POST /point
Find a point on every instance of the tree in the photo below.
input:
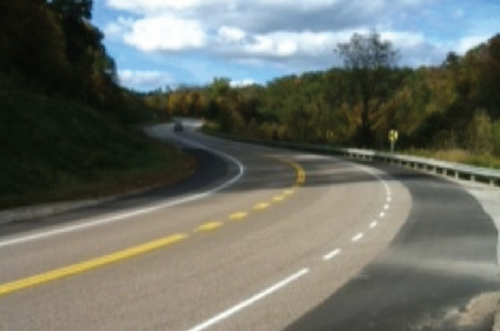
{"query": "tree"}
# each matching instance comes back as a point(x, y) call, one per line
point(76, 10)
point(31, 43)
point(368, 61)
point(480, 132)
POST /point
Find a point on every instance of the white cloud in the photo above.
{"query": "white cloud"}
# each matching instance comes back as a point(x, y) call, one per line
point(118, 28)
point(267, 28)
point(242, 83)
point(289, 35)
point(156, 5)
point(467, 43)
point(288, 44)
point(169, 5)
point(228, 34)
point(165, 33)
point(144, 79)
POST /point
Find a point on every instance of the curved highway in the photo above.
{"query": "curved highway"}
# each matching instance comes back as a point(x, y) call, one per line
point(258, 239)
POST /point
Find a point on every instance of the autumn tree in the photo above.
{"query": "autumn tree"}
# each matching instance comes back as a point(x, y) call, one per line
point(32, 44)
point(480, 134)
point(368, 61)
point(94, 71)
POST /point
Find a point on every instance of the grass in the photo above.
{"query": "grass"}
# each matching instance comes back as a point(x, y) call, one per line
point(55, 149)
point(458, 156)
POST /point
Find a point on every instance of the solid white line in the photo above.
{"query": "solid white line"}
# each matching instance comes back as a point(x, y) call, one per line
point(357, 237)
point(331, 255)
point(118, 217)
point(373, 224)
point(374, 174)
point(231, 311)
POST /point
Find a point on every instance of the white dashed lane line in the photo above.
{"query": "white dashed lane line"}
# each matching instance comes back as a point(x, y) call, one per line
point(331, 255)
point(327, 257)
point(358, 237)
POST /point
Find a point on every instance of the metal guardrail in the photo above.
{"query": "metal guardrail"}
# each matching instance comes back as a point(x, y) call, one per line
point(455, 170)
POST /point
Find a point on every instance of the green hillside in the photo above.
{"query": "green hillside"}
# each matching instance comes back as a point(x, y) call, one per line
point(56, 149)
point(67, 129)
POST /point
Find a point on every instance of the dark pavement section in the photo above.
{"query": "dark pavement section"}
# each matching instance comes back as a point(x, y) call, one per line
point(443, 259)
point(210, 169)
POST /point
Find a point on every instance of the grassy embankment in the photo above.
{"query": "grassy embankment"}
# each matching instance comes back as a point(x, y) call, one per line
point(55, 149)
point(458, 156)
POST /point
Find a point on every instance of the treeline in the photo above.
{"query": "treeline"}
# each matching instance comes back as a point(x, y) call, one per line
point(455, 105)
point(52, 48)
point(67, 129)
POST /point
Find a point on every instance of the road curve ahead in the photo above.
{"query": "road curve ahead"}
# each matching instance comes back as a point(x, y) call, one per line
point(257, 239)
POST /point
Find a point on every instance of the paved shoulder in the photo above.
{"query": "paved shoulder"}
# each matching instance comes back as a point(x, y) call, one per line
point(439, 273)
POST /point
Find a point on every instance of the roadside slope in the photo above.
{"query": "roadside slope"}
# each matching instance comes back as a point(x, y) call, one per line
point(57, 149)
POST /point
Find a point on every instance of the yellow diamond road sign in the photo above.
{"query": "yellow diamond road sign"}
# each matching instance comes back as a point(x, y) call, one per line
point(393, 135)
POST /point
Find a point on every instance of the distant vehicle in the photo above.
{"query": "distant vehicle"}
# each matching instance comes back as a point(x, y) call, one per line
point(178, 127)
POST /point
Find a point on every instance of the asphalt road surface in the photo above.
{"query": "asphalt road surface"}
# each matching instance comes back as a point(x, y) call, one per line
point(258, 239)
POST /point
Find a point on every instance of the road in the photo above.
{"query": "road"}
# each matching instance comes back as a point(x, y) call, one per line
point(258, 239)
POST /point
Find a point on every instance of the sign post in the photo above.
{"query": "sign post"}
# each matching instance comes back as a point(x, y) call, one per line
point(393, 137)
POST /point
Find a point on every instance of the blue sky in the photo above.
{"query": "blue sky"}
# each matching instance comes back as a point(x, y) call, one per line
point(170, 42)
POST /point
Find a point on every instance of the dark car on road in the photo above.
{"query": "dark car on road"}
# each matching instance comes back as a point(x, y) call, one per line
point(178, 127)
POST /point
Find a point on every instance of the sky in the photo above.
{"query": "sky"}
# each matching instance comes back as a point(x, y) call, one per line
point(160, 43)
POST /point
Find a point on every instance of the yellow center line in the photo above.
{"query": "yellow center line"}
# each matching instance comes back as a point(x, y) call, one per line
point(301, 175)
point(278, 198)
point(238, 216)
point(81, 267)
point(210, 226)
point(261, 206)
point(90, 264)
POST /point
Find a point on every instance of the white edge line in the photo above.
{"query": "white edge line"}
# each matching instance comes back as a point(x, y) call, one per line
point(357, 237)
point(242, 305)
point(90, 224)
point(331, 255)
